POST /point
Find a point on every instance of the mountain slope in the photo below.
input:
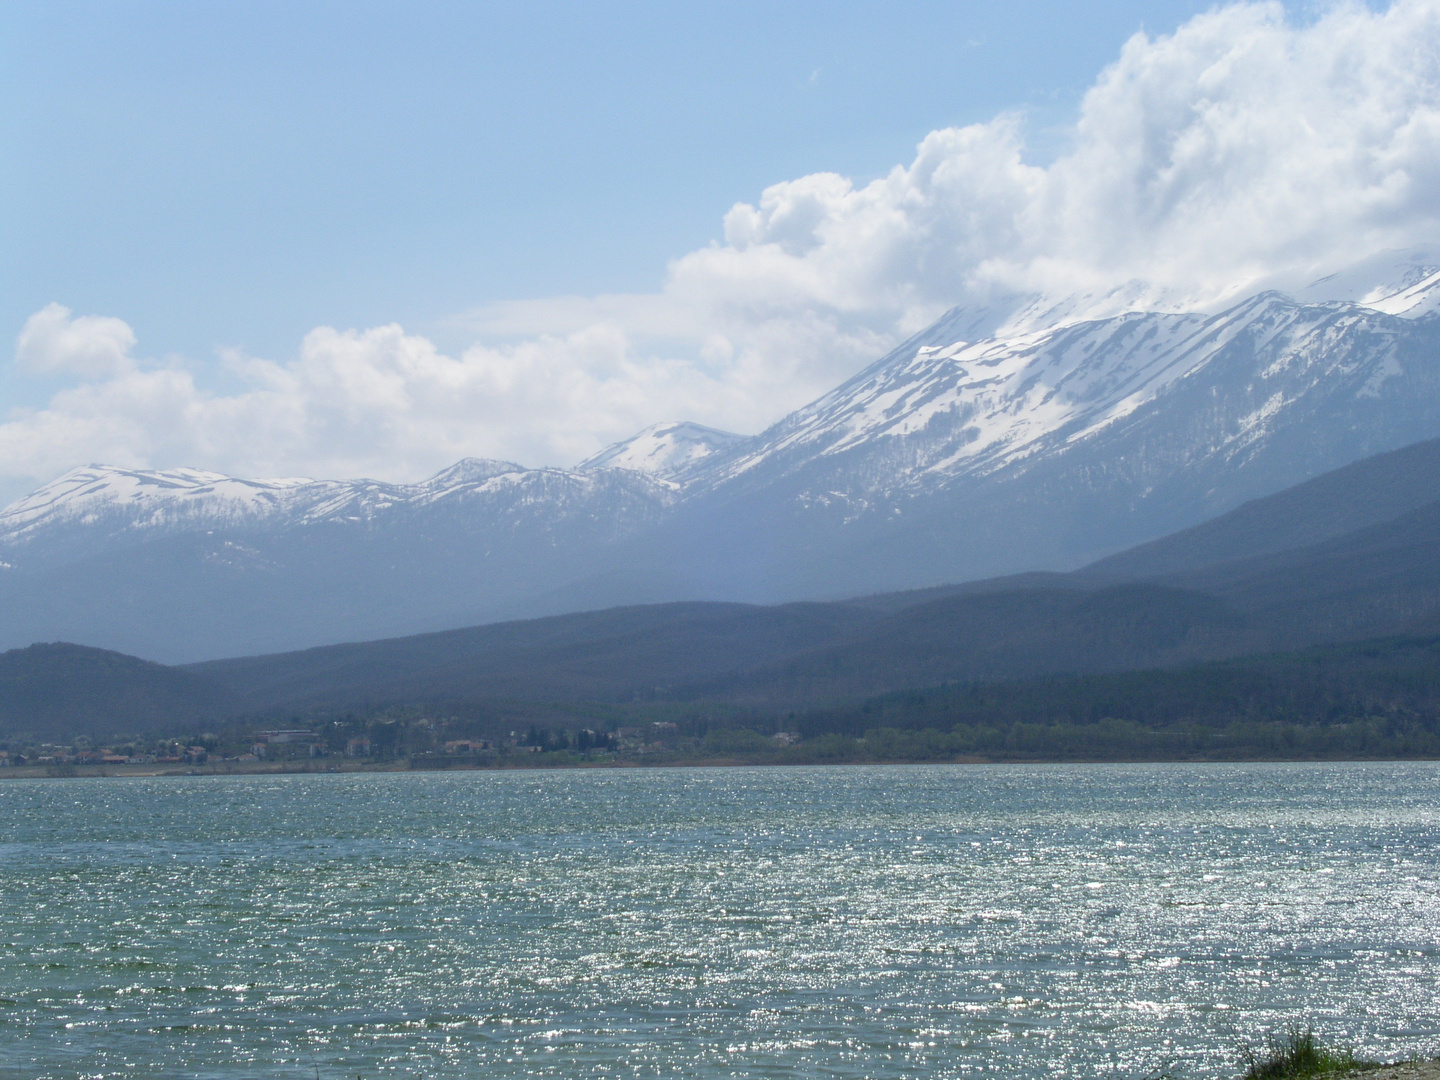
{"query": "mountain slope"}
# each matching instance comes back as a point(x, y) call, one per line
point(1368, 492)
point(1384, 577)
point(1049, 452)
point(942, 406)
point(1379, 578)
point(605, 655)
point(61, 690)
point(1050, 441)
point(103, 509)
point(674, 450)
point(1002, 635)
point(328, 562)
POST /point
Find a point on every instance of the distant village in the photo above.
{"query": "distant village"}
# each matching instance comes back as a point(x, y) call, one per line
point(420, 742)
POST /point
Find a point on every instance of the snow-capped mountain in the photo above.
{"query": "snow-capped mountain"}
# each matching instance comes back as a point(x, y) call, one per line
point(673, 450)
point(1031, 433)
point(99, 506)
point(974, 408)
point(1395, 282)
point(100, 502)
point(183, 564)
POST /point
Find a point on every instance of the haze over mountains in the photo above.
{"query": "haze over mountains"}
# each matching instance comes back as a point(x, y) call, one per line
point(1353, 554)
point(1284, 571)
point(1032, 435)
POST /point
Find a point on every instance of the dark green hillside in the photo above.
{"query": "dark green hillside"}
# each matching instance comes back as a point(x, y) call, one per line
point(1382, 577)
point(60, 690)
point(773, 656)
point(1002, 635)
point(611, 655)
point(1368, 492)
point(1369, 699)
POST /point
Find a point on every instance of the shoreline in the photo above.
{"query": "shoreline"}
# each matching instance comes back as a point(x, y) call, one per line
point(310, 768)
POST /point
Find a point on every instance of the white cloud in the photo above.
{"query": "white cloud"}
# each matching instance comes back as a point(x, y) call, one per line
point(374, 403)
point(91, 346)
point(1244, 146)
point(1241, 150)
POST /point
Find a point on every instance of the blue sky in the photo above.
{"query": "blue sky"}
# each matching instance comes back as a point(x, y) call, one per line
point(361, 239)
point(236, 174)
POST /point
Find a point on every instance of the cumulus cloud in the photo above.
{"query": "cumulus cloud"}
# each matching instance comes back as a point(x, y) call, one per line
point(91, 346)
point(378, 403)
point(1239, 149)
point(1242, 147)
point(1242, 150)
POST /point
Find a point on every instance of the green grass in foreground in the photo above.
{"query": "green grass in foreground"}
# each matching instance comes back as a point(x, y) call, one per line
point(1296, 1054)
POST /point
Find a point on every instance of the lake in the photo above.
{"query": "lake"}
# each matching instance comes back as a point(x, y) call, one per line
point(896, 921)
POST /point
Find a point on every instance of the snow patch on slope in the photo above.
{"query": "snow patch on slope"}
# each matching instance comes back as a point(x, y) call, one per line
point(666, 450)
point(980, 405)
point(152, 497)
point(101, 500)
point(1395, 282)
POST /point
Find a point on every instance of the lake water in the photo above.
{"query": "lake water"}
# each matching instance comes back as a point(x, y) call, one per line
point(907, 921)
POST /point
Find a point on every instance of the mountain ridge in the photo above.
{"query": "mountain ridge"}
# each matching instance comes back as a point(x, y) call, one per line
point(946, 460)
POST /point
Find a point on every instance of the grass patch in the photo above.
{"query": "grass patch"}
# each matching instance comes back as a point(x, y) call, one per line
point(1298, 1053)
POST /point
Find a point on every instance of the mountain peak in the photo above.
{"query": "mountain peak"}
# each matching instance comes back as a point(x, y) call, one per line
point(471, 470)
point(665, 450)
point(1402, 282)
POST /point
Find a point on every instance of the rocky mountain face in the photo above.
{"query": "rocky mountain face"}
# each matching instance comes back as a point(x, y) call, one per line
point(1045, 438)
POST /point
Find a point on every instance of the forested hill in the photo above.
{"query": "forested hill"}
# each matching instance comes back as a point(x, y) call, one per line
point(1369, 699)
point(1367, 493)
point(59, 690)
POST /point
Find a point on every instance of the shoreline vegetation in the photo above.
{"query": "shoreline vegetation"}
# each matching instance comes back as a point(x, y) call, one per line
point(1299, 1053)
point(792, 757)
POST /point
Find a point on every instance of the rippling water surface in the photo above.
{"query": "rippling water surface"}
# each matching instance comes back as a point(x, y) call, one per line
point(848, 922)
